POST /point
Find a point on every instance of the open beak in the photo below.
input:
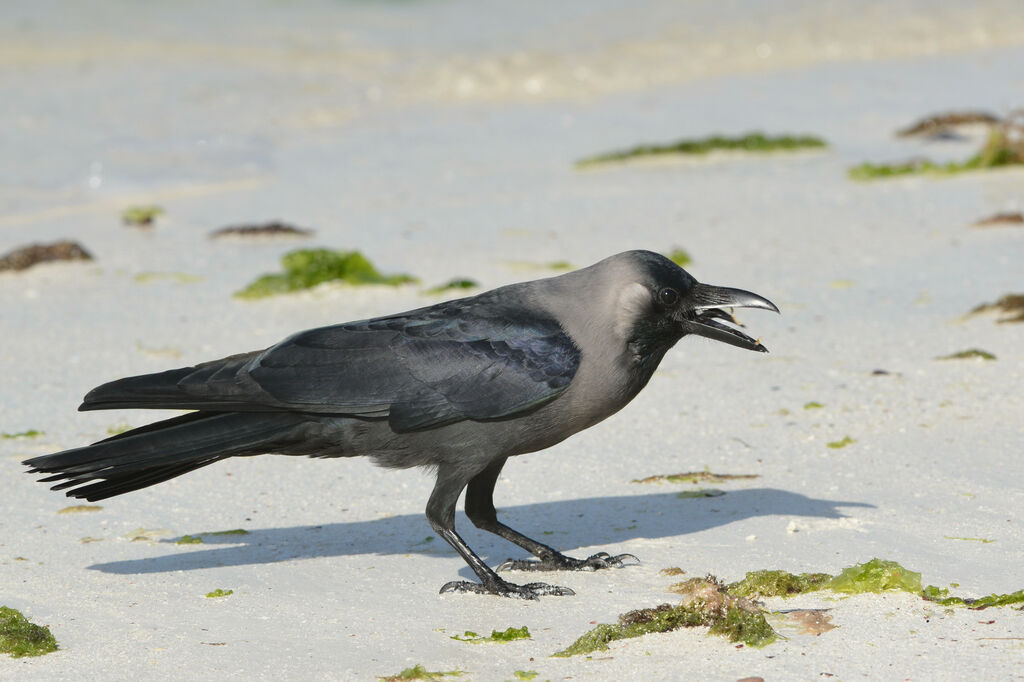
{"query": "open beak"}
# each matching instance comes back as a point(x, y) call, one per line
point(704, 309)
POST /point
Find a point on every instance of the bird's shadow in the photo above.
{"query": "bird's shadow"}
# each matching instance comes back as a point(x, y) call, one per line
point(565, 524)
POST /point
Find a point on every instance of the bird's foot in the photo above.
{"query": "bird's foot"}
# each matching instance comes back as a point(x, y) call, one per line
point(560, 562)
point(507, 589)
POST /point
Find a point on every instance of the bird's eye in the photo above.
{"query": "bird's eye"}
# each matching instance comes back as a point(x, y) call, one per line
point(668, 296)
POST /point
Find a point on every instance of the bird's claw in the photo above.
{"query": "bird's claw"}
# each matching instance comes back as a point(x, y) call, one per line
point(560, 562)
point(510, 590)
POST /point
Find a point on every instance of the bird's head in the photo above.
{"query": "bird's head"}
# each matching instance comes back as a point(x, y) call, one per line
point(664, 303)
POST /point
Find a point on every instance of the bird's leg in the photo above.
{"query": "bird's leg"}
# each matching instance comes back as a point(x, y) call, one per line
point(480, 510)
point(441, 515)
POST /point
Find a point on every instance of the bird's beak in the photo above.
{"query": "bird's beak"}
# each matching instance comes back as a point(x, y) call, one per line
point(704, 308)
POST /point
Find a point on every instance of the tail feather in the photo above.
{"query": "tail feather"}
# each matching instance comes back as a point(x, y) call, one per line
point(218, 385)
point(157, 452)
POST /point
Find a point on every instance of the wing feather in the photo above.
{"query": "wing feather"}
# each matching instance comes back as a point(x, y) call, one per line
point(475, 358)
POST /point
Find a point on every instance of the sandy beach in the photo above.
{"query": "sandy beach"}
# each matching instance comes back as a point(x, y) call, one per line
point(449, 154)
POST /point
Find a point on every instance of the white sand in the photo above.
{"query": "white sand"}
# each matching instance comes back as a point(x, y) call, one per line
point(336, 579)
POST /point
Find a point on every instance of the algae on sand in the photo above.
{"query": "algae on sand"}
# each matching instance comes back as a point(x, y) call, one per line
point(755, 142)
point(19, 637)
point(706, 602)
point(1011, 306)
point(141, 216)
point(1003, 147)
point(778, 584)
point(418, 672)
point(459, 283)
point(31, 433)
point(706, 476)
point(680, 257)
point(509, 634)
point(941, 596)
point(969, 354)
point(877, 575)
point(306, 268)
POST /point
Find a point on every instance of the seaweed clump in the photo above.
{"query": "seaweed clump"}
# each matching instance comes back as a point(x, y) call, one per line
point(219, 593)
point(275, 228)
point(31, 433)
point(418, 672)
point(680, 257)
point(941, 596)
point(941, 125)
point(306, 268)
point(778, 584)
point(141, 216)
point(754, 142)
point(34, 254)
point(1011, 306)
point(507, 635)
point(694, 477)
point(969, 354)
point(1004, 146)
point(706, 602)
point(19, 637)
point(1000, 219)
point(877, 575)
point(456, 284)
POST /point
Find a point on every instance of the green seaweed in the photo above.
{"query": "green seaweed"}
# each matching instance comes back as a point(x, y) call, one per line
point(306, 268)
point(1000, 150)
point(968, 354)
point(189, 540)
point(141, 215)
point(941, 596)
point(19, 637)
point(836, 444)
point(877, 575)
point(560, 265)
point(680, 257)
point(524, 674)
point(508, 635)
point(754, 142)
point(813, 405)
point(31, 433)
point(418, 672)
point(706, 603)
point(694, 477)
point(219, 593)
point(778, 584)
point(453, 284)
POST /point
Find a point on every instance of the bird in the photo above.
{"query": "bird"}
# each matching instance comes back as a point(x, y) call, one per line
point(457, 387)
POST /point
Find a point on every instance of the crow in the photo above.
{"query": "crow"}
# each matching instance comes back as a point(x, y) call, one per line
point(458, 387)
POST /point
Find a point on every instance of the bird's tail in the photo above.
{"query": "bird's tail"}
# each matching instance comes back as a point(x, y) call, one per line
point(160, 451)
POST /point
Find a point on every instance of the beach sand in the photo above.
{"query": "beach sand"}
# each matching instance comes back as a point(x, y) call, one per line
point(337, 577)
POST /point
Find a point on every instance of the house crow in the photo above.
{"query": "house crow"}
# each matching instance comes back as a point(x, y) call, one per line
point(458, 387)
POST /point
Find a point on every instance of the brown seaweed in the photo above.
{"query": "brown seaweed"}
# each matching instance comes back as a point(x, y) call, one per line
point(27, 256)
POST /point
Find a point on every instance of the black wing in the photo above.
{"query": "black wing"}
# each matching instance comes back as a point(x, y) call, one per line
point(474, 358)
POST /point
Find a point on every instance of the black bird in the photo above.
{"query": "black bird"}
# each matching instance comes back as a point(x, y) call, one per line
point(460, 386)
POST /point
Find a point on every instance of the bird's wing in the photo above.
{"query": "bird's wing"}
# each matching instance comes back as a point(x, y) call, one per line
point(453, 361)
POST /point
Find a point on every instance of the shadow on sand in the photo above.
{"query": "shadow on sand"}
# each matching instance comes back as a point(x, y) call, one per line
point(566, 524)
